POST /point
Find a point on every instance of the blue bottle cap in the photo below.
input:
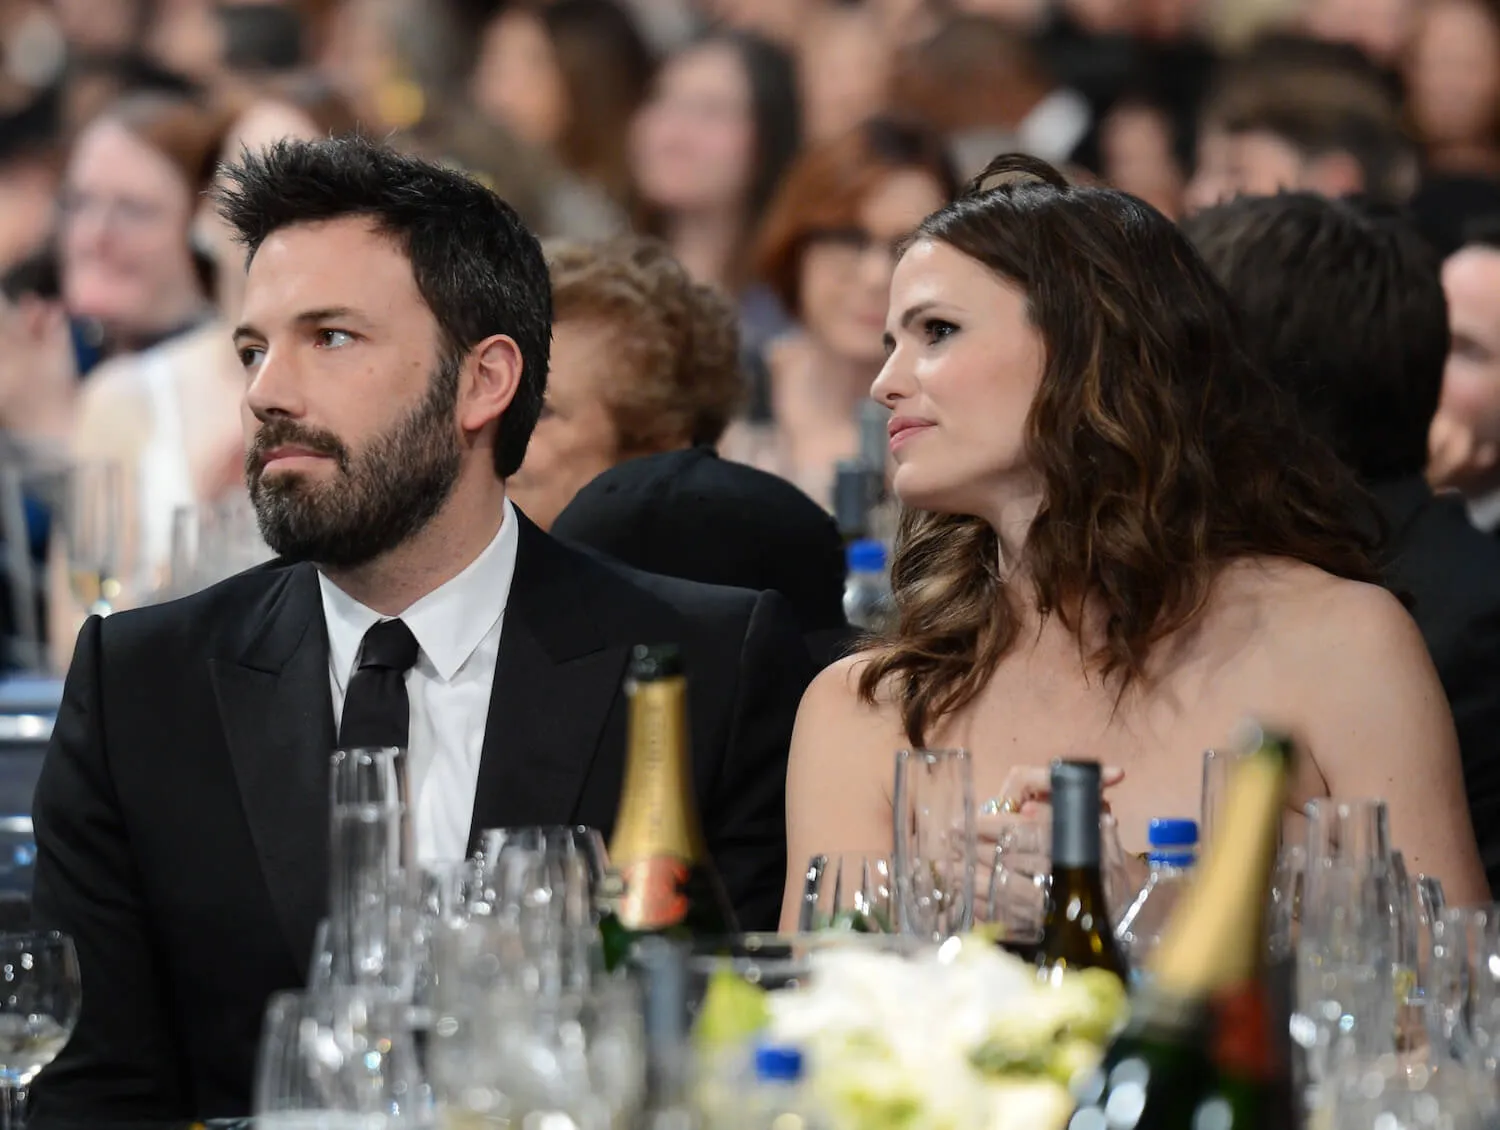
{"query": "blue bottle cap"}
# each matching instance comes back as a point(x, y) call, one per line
point(866, 556)
point(1164, 833)
point(777, 1063)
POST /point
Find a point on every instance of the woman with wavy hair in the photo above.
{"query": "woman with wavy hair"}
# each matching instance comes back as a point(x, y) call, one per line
point(1116, 544)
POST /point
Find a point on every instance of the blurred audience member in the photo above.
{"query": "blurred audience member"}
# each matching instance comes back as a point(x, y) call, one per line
point(1344, 306)
point(709, 149)
point(1453, 76)
point(844, 72)
point(1465, 440)
point(983, 86)
point(1380, 28)
point(98, 30)
point(30, 172)
point(1138, 154)
point(1273, 72)
point(693, 515)
point(827, 251)
point(567, 76)
point(1301, 124)
point(131, 190)
point(783, 22)
point(38, 366)
point(644, 360)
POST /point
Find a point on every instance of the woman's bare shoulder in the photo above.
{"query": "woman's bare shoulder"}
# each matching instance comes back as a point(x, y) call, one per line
point(833, 704)
point(1303, 612)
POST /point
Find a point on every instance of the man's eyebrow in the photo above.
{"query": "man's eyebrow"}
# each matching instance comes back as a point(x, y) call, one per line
point(306, 318)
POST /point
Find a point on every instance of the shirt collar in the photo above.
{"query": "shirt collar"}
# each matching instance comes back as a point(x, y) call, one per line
point(450, 622)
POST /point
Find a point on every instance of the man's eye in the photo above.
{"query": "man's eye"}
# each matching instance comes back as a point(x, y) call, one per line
point(334, 339)
point(250, 355)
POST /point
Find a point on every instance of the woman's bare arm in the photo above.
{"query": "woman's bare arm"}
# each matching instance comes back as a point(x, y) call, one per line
point(839, 779)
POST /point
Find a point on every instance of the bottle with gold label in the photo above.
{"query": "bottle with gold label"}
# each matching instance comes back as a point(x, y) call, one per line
point(661, 878)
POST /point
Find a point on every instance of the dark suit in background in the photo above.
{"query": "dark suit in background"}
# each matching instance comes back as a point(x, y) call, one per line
point(1452, 572)
point(182, 819)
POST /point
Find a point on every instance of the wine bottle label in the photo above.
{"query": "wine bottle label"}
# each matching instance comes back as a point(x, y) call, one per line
point(651, 895)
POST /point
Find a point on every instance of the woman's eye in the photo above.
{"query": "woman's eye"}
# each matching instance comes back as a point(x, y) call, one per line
point(936, 329)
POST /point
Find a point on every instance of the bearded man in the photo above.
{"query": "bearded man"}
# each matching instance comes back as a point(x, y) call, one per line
point(394, 336)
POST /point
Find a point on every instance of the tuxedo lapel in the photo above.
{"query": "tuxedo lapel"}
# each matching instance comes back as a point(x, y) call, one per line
point(277, 712)
point(556, 679)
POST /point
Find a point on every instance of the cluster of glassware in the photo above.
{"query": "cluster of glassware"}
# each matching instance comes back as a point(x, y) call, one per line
point(473, 994)
point(943, 876)
point(1395, 1021)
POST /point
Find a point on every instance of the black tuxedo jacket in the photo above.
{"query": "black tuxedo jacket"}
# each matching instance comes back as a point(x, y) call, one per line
point(181, 815)
point(1452, 573)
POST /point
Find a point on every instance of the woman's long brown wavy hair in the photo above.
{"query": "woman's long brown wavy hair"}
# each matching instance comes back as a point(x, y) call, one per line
point(1164, 453)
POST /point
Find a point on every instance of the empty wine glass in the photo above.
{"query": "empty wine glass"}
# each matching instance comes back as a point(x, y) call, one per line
point(935, 841)
point(343, 1059)
point(848, 892)
point(40, 994)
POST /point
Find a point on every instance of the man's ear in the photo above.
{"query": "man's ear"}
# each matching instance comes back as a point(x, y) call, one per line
point(491, 378)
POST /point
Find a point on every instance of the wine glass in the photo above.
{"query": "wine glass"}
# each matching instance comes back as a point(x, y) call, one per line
point(95, 514)
point(935, 841)
point(848, 892)
point(40, 994)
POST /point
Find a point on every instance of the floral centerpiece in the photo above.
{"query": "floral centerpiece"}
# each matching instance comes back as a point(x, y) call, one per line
point(958, 1037)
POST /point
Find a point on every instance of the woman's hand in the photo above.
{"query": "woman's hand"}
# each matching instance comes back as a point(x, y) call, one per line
point(1028, 791)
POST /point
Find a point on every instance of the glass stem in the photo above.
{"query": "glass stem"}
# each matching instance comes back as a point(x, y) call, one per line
point(12, 1106)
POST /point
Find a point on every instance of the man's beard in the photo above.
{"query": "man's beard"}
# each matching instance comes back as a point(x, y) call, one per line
point(381, 496)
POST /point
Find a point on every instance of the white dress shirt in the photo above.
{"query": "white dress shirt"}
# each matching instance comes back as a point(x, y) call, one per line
point(457, 627)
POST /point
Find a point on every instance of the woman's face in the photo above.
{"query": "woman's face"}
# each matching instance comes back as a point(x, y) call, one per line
point(845, 282)
point(693, 143)
point(518, 82)
point(575, 438)
point(964, 368)
point(1454, 74)
point(125, 218)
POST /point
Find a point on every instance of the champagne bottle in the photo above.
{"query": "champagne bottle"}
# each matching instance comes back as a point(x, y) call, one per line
point(661, 879)
point(1076, 932)
point(1164, 1068)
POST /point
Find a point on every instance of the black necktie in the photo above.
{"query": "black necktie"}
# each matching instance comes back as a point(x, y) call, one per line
point(376, 713)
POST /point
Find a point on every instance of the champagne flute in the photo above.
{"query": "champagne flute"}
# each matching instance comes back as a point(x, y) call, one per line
point(38, 1009)
point(95, 512)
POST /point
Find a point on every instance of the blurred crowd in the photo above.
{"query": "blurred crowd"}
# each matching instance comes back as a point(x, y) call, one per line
point(721, 185)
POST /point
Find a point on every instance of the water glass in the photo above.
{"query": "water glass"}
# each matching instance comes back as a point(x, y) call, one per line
point(848, 892)
point(40, 994)
point(371, 869)
point(1348, 833)
point(342, 1059)
point(935, 842)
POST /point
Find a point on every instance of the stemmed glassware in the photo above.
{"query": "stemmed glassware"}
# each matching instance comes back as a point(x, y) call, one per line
point(40, 994)
point(935, 842)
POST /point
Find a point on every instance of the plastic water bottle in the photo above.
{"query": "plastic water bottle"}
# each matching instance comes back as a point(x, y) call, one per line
point(868, 603)
point(1174, 850)
point(780, 1101)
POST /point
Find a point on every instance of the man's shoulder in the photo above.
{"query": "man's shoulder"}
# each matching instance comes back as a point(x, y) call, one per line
point(223, 614)
point(1446, 562)
point(631, 589)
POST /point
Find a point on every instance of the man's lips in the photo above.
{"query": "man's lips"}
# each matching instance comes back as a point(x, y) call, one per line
point(287, 454)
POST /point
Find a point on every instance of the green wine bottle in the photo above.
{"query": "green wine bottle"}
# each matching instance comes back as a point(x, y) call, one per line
point(1166, 1071)
point(1076, 931)
point(661, 879)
